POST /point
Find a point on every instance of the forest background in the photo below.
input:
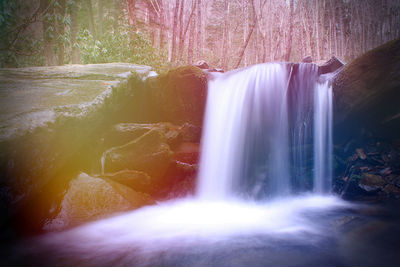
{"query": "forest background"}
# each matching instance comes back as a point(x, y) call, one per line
point(170, 33)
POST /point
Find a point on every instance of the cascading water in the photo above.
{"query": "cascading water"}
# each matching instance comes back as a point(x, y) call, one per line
point(249, 120)
point(323, 143)
point(245, 133)
point(260, 123)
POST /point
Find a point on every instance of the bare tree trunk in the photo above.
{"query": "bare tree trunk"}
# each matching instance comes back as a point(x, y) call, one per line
point(74, 30)
point(225, 39)
point(48, 31)
point(92, 29)
point(191, 41)
point(199, 35)
point(289, 44)
point(162, 26)
point(253, 25)
point(182, 41)
point(174, 32)
point(131, 12)
point(180, 27)
point(60, 32)
point(316, 28)
point(100, 20)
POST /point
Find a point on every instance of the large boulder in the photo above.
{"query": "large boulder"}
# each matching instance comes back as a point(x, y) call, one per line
point(89, 198)
point(367, 93)
point(149, 153)
point(179, 96)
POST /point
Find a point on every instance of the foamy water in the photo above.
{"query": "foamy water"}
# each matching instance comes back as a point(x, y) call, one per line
point(189, 221)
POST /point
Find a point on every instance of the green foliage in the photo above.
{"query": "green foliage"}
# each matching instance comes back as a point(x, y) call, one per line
point(54, 37)
point(18, 48)
point(121, 46)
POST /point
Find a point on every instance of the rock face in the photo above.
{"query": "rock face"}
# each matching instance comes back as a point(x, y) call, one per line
point(136, 180)
point(125, 132)
point(31, 97)
point(179, 96)
point(367, 124)
point(89, 198)
point(51, 120)
point(149, 153)
point(331, 65)
point(367, 92)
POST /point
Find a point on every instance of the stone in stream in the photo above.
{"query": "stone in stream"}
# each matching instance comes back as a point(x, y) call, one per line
point(89, 198)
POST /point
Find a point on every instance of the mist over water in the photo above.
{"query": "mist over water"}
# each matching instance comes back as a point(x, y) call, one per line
point(245, 184)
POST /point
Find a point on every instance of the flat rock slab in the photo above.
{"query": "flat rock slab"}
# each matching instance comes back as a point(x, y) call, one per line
point(31, 97)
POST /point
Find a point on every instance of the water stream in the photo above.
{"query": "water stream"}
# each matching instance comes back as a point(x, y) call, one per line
point(259, 122)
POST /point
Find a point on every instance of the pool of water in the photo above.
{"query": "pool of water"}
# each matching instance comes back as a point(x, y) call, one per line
point(297, 231)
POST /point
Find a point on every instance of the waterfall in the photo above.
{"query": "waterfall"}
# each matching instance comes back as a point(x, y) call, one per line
point(267, 133)
point(323, 143)
point(260, 123)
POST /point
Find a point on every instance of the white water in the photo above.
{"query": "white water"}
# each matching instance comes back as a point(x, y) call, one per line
point(323, 144)
point(250, 126)
point(245, 123)
point(246, 135)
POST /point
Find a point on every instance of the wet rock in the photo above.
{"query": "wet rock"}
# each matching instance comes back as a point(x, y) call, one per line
point(179, 96)
point(179, 181)
point(50, 92)
point(138, 181)
point(190, 133)
point(201, 64)
point(122, 133)
point(307, 59)
point(331, 65)
point(187, 153)
point(89, 198)
point(391, 189)
point(215, 70)
point(149, 153)
point(370, 182)
point(385, 171)
point(361, 154)
point(393, 179)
